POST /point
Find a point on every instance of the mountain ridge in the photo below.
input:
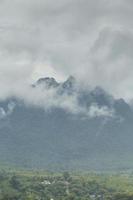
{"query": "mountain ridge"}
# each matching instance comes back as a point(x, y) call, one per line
point(97, 138)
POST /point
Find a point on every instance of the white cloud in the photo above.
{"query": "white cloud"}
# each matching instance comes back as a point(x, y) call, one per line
point(104, 111)
point(5, 113)
point(92, 40)
point(2, 113)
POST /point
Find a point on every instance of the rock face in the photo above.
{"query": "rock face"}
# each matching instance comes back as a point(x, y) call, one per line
point(98, 138)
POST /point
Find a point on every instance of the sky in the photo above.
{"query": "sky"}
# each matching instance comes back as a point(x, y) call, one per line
point(89, 39)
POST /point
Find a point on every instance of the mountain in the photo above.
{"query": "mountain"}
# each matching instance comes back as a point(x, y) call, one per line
point(96, 135)
point(47, 82)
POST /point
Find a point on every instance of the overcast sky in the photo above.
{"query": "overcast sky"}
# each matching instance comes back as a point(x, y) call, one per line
point(90, 39)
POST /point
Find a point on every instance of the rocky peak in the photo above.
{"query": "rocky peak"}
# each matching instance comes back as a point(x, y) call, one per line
point(69, 84)
point(48, 82)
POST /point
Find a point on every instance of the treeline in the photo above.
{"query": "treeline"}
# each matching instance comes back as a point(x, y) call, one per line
point(65, 186)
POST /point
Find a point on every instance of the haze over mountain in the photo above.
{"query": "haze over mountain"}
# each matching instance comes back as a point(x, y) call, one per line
point(48, 120)
point(91, 130)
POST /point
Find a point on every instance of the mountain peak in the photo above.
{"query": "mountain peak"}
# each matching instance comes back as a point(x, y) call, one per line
point(69, 83)
point(102, 97)
point(48, 82)
point(71, 79)
point(98, 91)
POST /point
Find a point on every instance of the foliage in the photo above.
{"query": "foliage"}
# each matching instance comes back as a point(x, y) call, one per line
point(49, 186)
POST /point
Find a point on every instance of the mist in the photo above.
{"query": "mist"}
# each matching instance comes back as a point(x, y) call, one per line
point(91, 40)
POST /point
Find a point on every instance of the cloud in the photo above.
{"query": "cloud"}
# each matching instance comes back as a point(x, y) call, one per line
point(91, 40)
point(111, 62)
point(5, 113)
point(104, 111)
point(49, 98)
point(11, 106)
point(2, 113)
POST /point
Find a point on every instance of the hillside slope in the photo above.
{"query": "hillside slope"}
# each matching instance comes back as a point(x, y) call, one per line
point(98, 137)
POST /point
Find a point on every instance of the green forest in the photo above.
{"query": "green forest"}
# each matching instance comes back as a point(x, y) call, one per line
point(39, 185)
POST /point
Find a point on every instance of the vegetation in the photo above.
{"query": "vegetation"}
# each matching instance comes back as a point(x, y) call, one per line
point(49, 186)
